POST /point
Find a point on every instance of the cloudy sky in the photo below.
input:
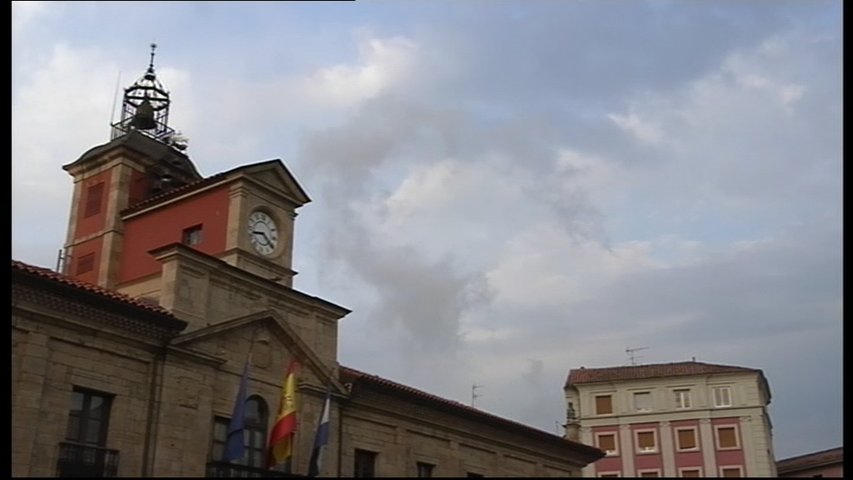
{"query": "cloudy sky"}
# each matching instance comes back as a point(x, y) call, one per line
point(502, 190)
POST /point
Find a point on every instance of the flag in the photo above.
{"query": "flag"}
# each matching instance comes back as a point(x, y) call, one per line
point(234, 447)
point(280, 445)
point(321, 438)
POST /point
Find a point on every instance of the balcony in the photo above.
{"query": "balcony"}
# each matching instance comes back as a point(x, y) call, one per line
point(232, 470)
point(86, 461)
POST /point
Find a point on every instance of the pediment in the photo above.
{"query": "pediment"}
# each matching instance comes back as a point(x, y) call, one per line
point(271, 341)
point(275, 176)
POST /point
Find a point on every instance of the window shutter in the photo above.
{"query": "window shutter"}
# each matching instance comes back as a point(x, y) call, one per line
point(607, 443)
point(726, 437)
point(603, 404)
point(93, 199)
point(646, 440)
point(686, 439)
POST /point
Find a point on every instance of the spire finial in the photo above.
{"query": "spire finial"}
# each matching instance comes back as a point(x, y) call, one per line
point(151, 63)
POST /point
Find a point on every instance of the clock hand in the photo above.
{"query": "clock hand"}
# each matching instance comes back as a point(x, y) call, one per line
point(263, 234)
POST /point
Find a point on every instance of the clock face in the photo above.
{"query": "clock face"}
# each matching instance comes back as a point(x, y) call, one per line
point(263, 232)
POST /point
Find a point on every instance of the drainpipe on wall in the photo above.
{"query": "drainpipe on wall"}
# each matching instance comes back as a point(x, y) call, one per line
point(149, 452)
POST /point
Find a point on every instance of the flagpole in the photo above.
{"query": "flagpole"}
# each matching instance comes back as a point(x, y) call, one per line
point(235, 444)
point(321, 437)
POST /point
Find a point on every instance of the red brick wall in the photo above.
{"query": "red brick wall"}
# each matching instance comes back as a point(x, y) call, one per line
point(166, 225)
point(94, 223)
point(81, 254)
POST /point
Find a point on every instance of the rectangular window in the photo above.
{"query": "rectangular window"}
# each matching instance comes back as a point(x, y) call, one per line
point(691, 472)
point(88, 418)
point(685, 439)
point(93, 199)
point(726, 437)
point(731, 472)
point(365, 464)
point(609, 475)
point(682, 398)
point(86, 263)
point(646, 441)
point(425, 469)
point(191, 236)
point(722, 396)
point(603, 404)
point(84, 453)
point(607, 442)
point(643, 401)
point(648, 473)
point(220, 436)
point(474, 475)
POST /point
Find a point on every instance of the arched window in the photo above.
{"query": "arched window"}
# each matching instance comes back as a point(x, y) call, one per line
point(255, 438)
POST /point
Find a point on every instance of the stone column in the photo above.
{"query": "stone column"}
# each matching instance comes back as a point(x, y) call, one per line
point(586, 438)
point(706, 434)
point(626, 450)
point(747, 444)
point(667, 449)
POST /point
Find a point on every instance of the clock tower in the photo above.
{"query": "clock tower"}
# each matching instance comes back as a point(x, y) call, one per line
point(141, 192)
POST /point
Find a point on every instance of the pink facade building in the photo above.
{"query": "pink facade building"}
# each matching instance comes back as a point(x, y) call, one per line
point(684, 419)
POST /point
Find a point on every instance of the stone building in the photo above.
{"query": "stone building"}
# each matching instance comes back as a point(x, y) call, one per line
point(128, 361)
point(682, 419)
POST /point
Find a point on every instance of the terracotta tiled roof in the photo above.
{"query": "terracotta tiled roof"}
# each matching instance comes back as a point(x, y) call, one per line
point(810, 460)
point(350, 375)
point(93, 289)
point(635, 372)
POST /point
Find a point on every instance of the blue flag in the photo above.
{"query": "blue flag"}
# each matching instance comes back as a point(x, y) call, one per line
point(234, 446)
point(321, 438)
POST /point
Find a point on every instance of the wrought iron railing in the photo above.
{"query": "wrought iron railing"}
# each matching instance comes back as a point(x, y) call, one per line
point(88, 461)
point(232, 470)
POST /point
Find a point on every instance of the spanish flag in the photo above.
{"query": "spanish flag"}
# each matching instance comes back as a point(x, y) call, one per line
point(280, 446)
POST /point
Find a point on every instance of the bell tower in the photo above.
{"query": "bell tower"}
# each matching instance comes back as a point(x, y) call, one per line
point(143, 159)
point(145, 107)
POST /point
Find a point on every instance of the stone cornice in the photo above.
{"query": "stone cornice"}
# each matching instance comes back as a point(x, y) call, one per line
point(199, 260)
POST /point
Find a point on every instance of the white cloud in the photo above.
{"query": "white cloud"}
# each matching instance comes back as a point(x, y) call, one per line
point(644, 130)
point(543, 266)
point(227, 118)
point(383, 62)
point(427, 187)
point(24, 13)
point(786, 94)
point(741, 140)
point(599, 179)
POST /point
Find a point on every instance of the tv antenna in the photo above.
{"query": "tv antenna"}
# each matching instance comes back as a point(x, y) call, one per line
point(630, 352)
point(474, 394)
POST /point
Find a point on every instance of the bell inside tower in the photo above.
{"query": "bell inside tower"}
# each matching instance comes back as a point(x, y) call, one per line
point(145, 107)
